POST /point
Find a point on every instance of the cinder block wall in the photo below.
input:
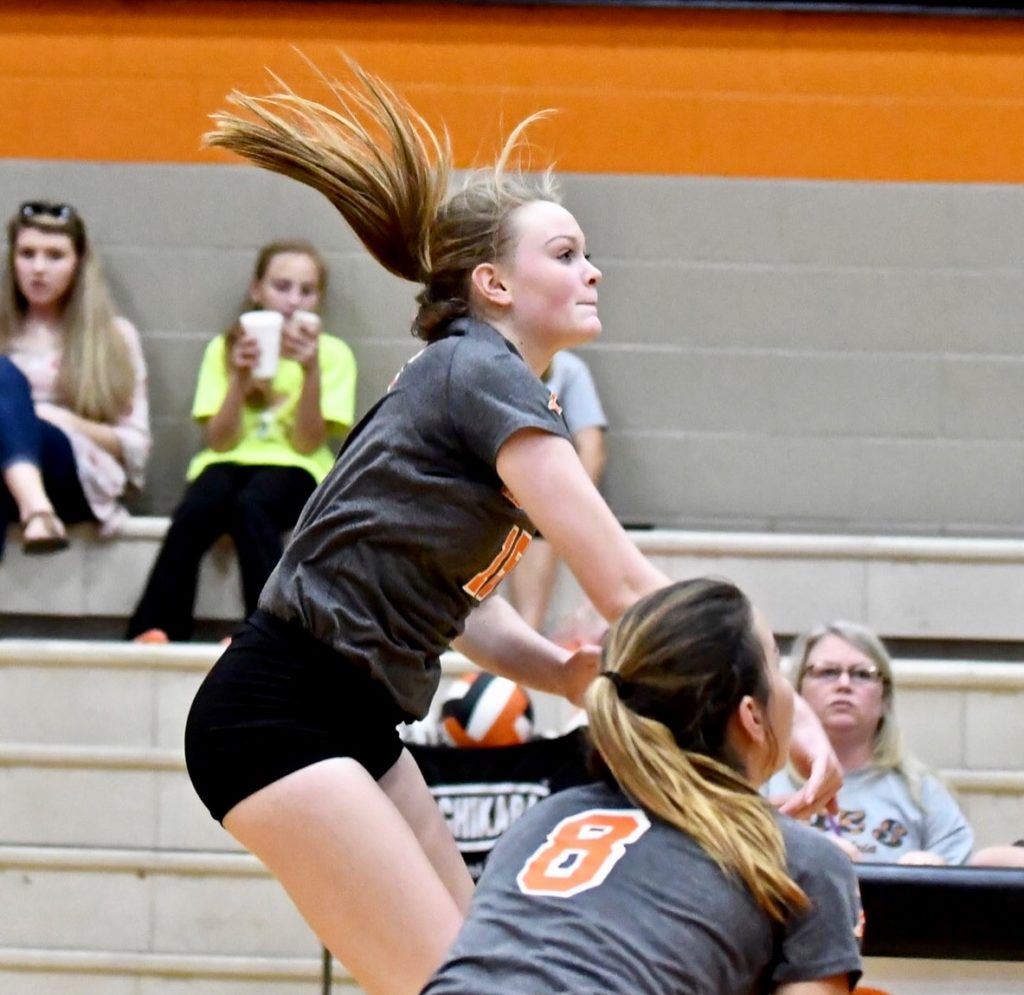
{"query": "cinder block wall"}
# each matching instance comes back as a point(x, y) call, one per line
point(777, 354)
point(823, 338)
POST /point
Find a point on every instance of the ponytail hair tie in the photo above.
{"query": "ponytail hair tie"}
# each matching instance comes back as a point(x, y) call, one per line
point(616, 678)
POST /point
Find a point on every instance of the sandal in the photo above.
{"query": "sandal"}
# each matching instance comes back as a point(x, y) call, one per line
point(53, 538)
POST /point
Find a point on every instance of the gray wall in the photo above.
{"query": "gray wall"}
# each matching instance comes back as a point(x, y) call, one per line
point(777, 355)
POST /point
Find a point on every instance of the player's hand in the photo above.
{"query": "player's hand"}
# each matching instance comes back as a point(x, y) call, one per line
point(813, 757)
point(578, 671)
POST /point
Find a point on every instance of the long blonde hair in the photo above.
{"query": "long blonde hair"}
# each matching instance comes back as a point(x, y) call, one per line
point(96, 378)
point(677, 665)
point(887, 748)
point(387, 172)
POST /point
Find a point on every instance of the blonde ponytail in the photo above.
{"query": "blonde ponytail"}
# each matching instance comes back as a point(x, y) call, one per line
point(687, 654)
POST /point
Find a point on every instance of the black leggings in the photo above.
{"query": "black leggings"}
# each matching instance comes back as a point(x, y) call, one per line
point(253, 505)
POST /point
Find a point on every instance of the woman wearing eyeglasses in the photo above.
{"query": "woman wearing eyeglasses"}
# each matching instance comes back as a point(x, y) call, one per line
point(74, 413)
point(892, 808)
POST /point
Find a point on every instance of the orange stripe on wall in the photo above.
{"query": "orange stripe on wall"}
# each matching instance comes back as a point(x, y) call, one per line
point(641, 91)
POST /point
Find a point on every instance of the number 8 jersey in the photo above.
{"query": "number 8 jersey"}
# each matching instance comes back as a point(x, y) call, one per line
point(413, 527)
point(587, 894)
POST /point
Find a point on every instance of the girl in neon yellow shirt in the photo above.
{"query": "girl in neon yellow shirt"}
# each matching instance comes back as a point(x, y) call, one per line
point(266, 442)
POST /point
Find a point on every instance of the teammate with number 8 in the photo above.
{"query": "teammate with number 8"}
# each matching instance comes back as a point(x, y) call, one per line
point(672, 875)
point(291, 741)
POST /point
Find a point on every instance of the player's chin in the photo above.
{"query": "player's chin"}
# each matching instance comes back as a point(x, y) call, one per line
point(589, 328)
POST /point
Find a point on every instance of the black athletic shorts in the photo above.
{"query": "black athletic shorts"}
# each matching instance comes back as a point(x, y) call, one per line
point(279, 700)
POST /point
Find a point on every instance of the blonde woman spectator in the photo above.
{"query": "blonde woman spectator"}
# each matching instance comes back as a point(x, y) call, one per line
point(893, 809)
point(74, 414)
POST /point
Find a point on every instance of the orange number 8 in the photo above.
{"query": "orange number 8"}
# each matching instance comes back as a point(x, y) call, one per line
point(581, 851)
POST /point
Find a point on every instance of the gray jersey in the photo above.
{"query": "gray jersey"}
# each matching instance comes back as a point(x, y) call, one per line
point(587, 895)
point(878, 814)
point(570, 381)
point(413, 527)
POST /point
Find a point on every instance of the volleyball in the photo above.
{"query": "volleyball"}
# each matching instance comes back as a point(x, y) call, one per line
point(484, 710)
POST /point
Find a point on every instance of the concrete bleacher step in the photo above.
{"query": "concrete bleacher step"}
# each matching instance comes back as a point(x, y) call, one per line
point(177, 903)
point(58, 971)
point(101, 723)
point(125, 886)
point(133, 798)
point(924, 587)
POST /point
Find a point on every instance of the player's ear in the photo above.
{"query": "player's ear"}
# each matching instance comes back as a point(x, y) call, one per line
point(489, 283)
point(750, 722)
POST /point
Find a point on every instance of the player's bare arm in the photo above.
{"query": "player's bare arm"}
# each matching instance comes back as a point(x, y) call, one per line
point(497, 639)
point(814, 758)
point(547, 478)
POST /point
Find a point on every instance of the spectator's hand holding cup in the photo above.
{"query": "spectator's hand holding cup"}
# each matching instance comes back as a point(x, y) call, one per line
point(263, 328)
point(300, 339)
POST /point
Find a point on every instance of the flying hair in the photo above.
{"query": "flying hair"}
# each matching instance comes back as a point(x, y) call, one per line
point(387, 172)
point(374, 158)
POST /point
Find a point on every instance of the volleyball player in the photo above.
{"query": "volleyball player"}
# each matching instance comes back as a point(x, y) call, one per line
point(673, 875)
point(291, 740)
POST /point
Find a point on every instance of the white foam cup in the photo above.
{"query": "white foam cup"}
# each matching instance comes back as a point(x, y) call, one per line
point(265, 327)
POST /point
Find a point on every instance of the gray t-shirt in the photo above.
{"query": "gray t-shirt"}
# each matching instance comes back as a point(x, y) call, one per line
point(878, 814)
point(413, 526)
point(570, 381)
point(587, 895)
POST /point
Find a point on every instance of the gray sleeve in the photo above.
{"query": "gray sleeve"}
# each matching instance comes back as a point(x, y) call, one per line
point(824, 940)
point(580, 404)
point(493, 395)
point(946, 831)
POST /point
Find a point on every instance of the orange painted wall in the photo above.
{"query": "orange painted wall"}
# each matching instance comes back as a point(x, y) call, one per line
point(644, 91)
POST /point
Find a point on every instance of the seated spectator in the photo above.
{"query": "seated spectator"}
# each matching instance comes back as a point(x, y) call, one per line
point(572, 386)
point(672, 874)
point(266, 442)
point(74, 414)
point(892, 808)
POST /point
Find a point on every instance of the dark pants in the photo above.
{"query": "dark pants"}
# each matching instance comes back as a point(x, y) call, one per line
point(26, 438)
point(253, 505)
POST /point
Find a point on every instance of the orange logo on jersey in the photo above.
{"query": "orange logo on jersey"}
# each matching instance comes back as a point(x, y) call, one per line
point(553, 404)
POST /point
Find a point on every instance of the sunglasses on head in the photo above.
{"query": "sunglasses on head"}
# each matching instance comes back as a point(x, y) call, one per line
point(45, 208)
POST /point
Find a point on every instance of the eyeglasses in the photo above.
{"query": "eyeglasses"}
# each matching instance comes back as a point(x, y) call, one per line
point(45, 208)
point(860, 674)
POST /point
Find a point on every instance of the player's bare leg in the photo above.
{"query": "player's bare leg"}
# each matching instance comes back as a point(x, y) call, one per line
point(355, 870)
point(405, 786)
